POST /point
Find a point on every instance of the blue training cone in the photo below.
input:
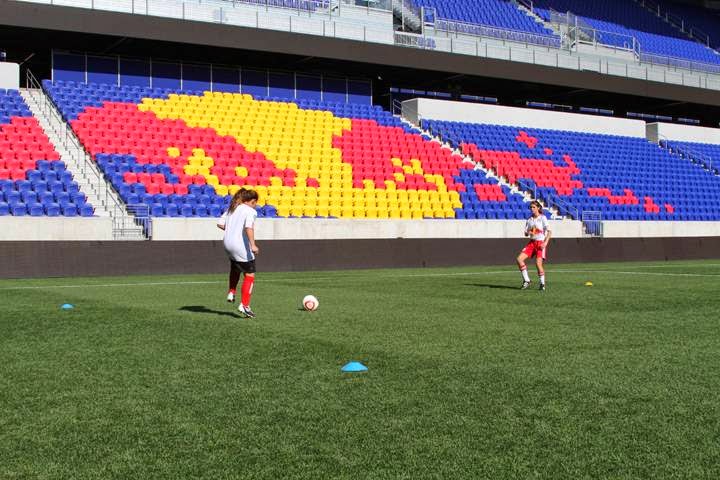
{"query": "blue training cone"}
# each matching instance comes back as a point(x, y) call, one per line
point(67, 306)
point(354, 367)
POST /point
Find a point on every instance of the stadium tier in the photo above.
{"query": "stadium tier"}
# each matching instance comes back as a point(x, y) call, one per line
point(627, 18)
point(184, 154)
point(33, 179)
point(494, 13)
point(624, 178)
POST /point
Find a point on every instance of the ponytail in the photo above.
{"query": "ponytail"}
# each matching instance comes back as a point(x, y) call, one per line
point(241, 196)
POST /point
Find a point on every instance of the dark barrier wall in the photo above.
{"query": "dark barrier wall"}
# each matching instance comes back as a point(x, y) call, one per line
point(32, 15)
point(60, 259)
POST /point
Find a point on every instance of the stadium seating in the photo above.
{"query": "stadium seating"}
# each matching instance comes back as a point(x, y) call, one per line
point(624, 178)
point(494, 13)
point(695, 17)
point(706, 155)
point(184, 153)
point(33, 179)
point(626, 17)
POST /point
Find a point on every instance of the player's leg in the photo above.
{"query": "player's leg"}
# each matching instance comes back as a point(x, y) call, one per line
point(541, 270)
point(233, 281)
point(523, 269)
point(247, 288)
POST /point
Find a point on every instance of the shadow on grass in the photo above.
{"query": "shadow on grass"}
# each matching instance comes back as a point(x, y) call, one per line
point(202, 309)
point(490, 285)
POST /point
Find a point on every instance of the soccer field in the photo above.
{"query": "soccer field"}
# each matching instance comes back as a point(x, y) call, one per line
point(469, 377)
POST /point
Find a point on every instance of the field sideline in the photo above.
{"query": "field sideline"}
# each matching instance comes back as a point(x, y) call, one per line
point(469, 377)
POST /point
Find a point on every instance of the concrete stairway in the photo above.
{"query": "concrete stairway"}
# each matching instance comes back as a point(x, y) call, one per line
point(85, 171)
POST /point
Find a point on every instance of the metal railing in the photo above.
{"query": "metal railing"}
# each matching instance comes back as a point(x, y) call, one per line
point(676, 21)
point(456, 28)
point(527, 4)
point(577, 32)
point(688, 153)
point(676, 62)
point(71, 144)
point(414, 40)
point(138, 225)
point(592, 223)
point(85, 167)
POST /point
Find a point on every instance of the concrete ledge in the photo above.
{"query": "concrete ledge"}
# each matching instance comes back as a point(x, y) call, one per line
point(181, 229)
point(648, 229)
point(55, 228)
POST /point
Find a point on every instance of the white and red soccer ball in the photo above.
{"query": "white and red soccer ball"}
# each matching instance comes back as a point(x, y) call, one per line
point(310, 303)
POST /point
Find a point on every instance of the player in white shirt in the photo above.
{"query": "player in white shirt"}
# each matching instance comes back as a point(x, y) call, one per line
point(538, 230)
point(239, 241)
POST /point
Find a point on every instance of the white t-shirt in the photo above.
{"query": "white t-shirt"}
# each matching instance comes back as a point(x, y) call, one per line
point(236, 242)
point(537, 227)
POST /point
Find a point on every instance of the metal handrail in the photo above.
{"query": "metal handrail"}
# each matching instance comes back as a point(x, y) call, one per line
point(594, 36)
point(677, 21)
point(457, 27)
point(678, 62)
point(686, 152)
point(70, 142)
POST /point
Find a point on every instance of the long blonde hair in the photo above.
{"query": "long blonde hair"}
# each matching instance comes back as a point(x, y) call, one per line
point(242, 196)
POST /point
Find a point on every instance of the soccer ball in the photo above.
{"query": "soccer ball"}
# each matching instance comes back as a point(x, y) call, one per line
point(310, 303)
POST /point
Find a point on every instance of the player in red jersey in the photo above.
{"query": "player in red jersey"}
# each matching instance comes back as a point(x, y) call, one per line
point(538, 230)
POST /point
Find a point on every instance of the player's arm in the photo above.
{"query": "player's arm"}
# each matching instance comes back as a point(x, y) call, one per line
point(548, 234)
point(221, 226)
point(250, 232)
point(221, 222)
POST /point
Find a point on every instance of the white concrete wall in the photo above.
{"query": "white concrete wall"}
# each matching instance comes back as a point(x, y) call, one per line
point(647, 229)
point(682, 133)
point(55, 228)
point(326, 229)
point(520, 117)
point(9, 75)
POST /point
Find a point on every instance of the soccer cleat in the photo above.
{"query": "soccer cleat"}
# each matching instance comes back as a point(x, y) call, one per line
point(542, 287)
point(525, 285)
point(231, 297)
point(246, 311)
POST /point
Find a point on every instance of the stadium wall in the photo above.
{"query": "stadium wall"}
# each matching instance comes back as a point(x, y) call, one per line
point(682, 133)
point(71, 259)
point(55, 228)
point(165, 229)
point(422, 108)
point(9, 75)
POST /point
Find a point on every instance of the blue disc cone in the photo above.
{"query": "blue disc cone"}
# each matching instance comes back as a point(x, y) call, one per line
point(354, 367)
point(67, 306)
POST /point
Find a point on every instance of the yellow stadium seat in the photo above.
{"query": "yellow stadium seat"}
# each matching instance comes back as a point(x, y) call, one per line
point(334, 211)
point(221, 190)
point(190, 170)
point(283, 211)
point(232, 189)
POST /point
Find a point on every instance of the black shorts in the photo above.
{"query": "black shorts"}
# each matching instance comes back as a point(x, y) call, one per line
point(243, 267)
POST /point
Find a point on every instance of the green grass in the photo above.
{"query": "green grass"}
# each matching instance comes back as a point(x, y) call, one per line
point(469, 377)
